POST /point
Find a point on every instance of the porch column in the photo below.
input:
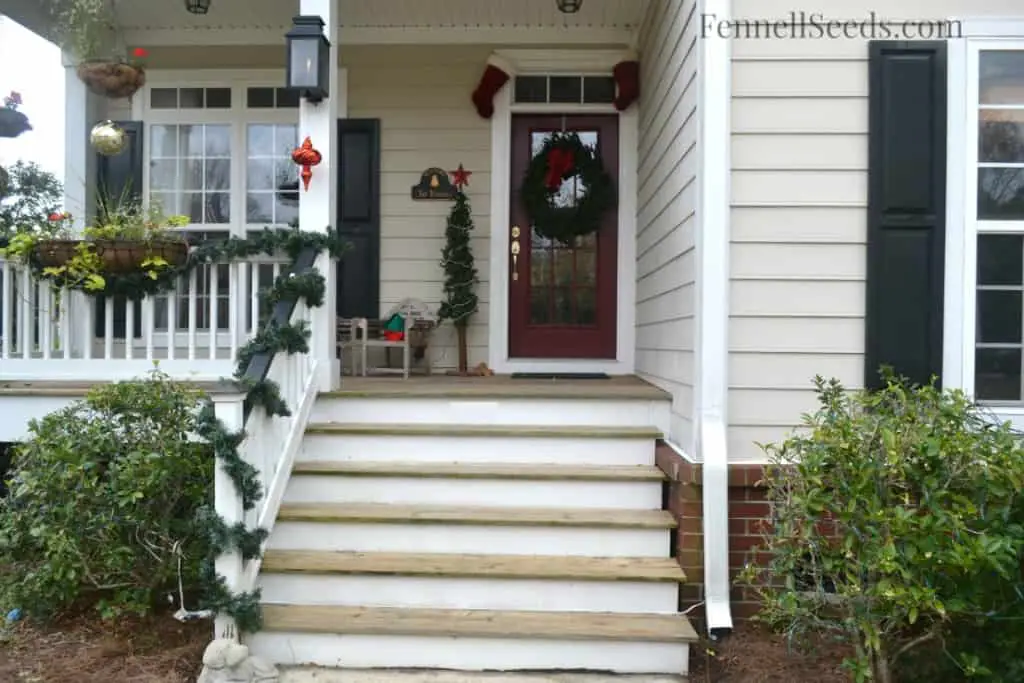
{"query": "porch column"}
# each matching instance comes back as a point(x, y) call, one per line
point(318, 207)
point(78, 169)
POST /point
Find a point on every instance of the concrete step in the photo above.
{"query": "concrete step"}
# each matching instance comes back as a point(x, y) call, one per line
point(411, 442)
point(323, 675)
point(477, 484)
point(366, 638)
point(457, 581)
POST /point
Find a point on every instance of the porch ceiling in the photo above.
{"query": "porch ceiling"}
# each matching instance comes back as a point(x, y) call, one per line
point(234, 21)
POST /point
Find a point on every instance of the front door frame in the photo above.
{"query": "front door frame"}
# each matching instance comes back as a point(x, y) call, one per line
point(554, 62)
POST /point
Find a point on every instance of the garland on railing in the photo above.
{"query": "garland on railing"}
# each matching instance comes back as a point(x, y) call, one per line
point(302, 282)
point(269, 241)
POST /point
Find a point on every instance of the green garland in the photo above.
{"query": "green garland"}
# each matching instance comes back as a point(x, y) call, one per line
point(566, 223)
point(269, 241)
point(273, 337)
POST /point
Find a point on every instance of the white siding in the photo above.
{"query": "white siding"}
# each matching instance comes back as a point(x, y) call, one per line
point(799, 179)
point(666, 206)
point(421, 96)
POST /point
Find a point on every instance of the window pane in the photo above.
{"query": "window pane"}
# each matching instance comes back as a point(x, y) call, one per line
point(190, 98)
point(259, 207)
point(218, 207)
point(163, 98)
point(218, 175)
point(1001, 193)
point(287, 99)
point(163, 174)
point(566, 89)
point(164, 141)
point(260, 140)
point(218, 141)
point(999, 317)
point(997, 374)
point(218, 98)
point(192, 174)
point(260, 98)
point(598, 89)
point(165, 202)
point(259, 174)
point(286, 139)
point(531, 89)
point(285, 212)
point(1001, 78)
point(1001, 135)
point(190, 141)
point(1000, 259)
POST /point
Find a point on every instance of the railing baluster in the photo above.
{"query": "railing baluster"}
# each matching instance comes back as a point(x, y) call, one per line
point(148, 322)
point(45, 318)
point(214, 322)
point(254, 311)
point(88, 306)
point(193, 307)
point(172, 319)
point(64, 296)
point(234, 306)
point(6, 308)
point(27, 321)
point(129, 329)
point(108, 328)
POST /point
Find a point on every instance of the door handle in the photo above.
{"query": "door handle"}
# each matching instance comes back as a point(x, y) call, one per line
point(514, 248)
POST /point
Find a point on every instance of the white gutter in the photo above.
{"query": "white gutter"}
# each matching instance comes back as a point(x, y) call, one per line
point(714, 55)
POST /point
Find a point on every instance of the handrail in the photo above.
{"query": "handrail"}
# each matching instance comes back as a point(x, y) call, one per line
point(259, 364)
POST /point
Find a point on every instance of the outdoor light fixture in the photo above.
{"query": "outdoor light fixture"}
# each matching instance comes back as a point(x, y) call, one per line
point(197, 6)
point(308, 58)
point(570, 6)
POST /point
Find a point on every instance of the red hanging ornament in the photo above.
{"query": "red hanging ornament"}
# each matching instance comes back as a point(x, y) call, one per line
point(460, 177)
point(307, 157)
point(560, 162)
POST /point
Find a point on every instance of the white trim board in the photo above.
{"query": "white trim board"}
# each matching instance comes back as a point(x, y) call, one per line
point(962, 226)
point(546, 61)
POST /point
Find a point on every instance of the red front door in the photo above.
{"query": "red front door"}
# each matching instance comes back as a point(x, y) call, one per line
point(562, 299)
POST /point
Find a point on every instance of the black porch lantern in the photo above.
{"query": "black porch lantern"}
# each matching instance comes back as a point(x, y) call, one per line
point(197, 6)
point(308, 58)
point(570, 6)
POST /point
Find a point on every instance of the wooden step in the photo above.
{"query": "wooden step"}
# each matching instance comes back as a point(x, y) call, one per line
point(468, 470)
point(559, 567)
point(503, 431)
point(444, 623)
point(493, 516)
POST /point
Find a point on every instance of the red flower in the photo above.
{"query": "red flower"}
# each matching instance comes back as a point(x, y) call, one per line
point(140, 53)
point(15, 97)
point(54, 217)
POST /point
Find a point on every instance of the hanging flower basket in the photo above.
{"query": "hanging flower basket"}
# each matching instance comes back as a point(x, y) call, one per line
point(117, 256)
point(13, 123)
point(554, 216)
point(115, 80)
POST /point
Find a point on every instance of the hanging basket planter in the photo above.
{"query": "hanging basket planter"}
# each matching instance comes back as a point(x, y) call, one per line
point(116, 256)
point(114, 80)
point(13, 123)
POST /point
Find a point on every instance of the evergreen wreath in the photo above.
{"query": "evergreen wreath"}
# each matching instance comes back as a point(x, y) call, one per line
point(563, 156)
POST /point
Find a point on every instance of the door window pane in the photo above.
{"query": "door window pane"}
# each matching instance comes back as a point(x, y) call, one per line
point(272, 179)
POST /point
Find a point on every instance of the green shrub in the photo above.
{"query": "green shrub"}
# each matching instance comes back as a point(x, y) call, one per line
point(897, 527)
point(103, 499)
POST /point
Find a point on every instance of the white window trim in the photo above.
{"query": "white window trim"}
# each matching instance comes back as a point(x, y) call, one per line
point(962, 225)
point(238, 116)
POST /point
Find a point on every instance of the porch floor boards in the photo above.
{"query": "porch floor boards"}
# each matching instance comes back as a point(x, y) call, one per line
point(77, 389)
point(498, 387)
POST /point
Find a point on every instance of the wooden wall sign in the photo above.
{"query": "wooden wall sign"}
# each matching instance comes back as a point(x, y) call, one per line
point(434, 184)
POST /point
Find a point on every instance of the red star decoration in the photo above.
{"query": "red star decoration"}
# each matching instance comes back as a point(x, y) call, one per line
point(460, 177)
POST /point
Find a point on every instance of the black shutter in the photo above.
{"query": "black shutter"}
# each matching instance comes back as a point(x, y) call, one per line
point(119, 180)
point(359, 217)
point(906, 209)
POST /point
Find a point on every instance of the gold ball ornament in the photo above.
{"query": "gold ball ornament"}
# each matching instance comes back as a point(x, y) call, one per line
point(108, 138)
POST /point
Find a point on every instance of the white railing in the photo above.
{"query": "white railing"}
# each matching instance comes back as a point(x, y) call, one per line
point(194, 331)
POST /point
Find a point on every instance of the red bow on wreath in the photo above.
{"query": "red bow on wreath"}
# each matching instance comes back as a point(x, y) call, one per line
point(560, 162)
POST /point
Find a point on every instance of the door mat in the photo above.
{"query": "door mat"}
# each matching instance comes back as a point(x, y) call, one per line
point(559, 375)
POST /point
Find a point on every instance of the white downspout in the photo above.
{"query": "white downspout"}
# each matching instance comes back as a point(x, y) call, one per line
point(714, 65)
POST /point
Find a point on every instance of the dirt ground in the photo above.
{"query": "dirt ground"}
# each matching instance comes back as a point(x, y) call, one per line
point(87, 650)
point(751, 654)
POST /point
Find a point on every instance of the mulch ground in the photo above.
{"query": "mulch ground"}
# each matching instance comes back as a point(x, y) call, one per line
point(752, 654)
point(85, 649)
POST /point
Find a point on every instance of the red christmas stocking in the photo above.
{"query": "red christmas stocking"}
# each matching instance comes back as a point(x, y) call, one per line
point(495, 77)
point(627, 78)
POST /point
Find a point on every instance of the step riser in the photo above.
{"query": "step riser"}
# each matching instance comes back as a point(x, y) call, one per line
point(474, 492)
point(470, 539)
point(497, 449)
point(534, 595)
point(468, 654)
point(458, 411)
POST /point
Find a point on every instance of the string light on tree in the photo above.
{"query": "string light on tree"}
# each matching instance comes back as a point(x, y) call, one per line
point(460, 275)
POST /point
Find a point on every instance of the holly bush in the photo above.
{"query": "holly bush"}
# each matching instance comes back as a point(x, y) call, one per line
point(102, 501)
point(898, 527)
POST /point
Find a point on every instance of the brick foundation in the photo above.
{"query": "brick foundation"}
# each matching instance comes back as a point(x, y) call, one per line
point(748, 510)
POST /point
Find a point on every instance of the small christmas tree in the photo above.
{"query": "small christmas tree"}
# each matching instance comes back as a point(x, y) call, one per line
point(460, 276)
